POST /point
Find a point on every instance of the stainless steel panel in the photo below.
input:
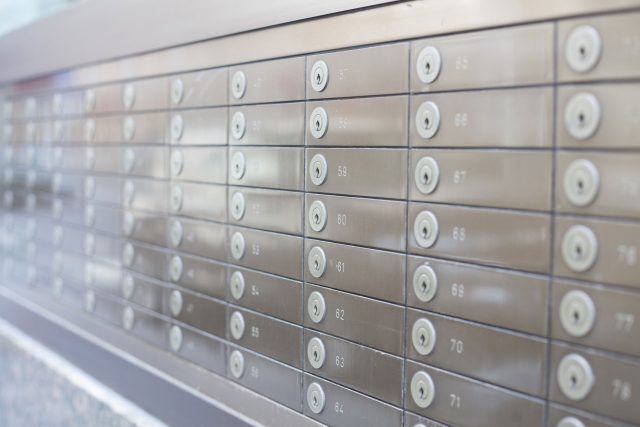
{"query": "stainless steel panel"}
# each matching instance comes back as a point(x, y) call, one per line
point(67, 239)
point(368, 272)
point(105, 219)
point(363, 369)
point(68, 266)
point(201, 275)
point(270, 124)
point(273, 210)
point(198, 311)
point(70, 295)
point(270, 81)
point(373, 122)
point(484, 295)
point(207, 239)
point(108, 98)
point(199, 89)
point(618, 189)
point(144, 291)
point(508, 179)
point(147, 227)
point(463, 401)
point(65, 185)
point(613, 391)
point(268, 336)
point(105, 158)
point(103, 248)
point(557, 413)
point(617, 248)
point(375, 70)
point(204, 201)
point(501, 238)
point(145, 161)
point(270, 378)
point(269, 294)
point(201, 127)
point(103, 189)
point(361, 172)
point(344, 407)
point(200, 164)
point(147, 326)
point(145, 195)
point(412, 419)
point(619, 58)
point(44, 158)
point(101, 129)
point(148, 260)
point(148, 128)
point(502, 358)
point(67, 158)
point(618, 127)
point(271, 252)
point(149, 94)
point(281, 168)
point(106, 310)
point(366, 321)
point(614, 328)
point(503, 57)
point(102, 276)
point(368, 222)
point(489, 118)
point(68, 211)
point(203, 350)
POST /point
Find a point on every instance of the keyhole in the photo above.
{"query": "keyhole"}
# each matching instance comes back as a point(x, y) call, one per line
point(422, 392)
point(423, 339)
point(583, 51)
point(427, 122)
point(316, 310)
point(425, 177)
point(316, 265)
point(576, 316)
point(423, 286)
point(580, 184)
point(574, 381)
point(317, 172)
point(318, 77)
point(315, 400)
point(581, 118)
point(427, 67)
point(425, 232)
point(316, 218)
point(317, 124)
point(315, 355)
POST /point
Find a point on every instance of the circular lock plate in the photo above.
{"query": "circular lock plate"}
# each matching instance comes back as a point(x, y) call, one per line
point(570, 422)
point(128, 128)
point(236, 325)
point(175, 302)
point(583, 48)
point(128, 96)
point(127, 254)
point(238, 84)
point(318, 122)
point(575, 377)
point(423, 336)
point(128, 286)
point(581, 182)
point(316, 352)
point(318, 169)
point(427, 119)
point(319, 76)
point(128, 223)
point(237, 206)
point(316, 307)
point(317, 216)
point(237, 285)
point(175, 338)
point(176, 198)
point(177, 127)
point(428, 64)
point(238, 165)
point(177, 91)
point(129, 160)
point(582, 115)
point(577, 313)
point(315, 398)
point(89, 100)
point(128, 192)
point(425, 283)
point(422, 389)
point(425, 229)
point(317, 262)
point(177, 162)
point(427, 175)
point(238, 125)
point(176, 233)
point(236, 364)
point(579, 248)
point(128, 318)
point(175, 268)
point(237, 245)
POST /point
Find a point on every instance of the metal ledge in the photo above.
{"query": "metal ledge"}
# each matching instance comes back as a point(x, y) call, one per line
point(188, 396)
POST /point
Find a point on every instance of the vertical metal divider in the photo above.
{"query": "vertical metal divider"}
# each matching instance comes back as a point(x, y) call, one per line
point(304, 234)
point(554, 148)
point(227, 264)
point(406, 243)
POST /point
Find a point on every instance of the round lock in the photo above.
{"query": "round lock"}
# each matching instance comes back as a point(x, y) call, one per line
point(428, 64)
point(427, 175)
point(128, 285)
point(128, 96)
point(90, 158)
point(575, 377)
point(129, 160)
point(128, 253)
point(237, 165)
point(8, 202)
point(128, 192)
point(89, 130)
point(315, 398)
point(238, 125)
point(317, 216)
point(236, 363)
point(423, 336)
point(238, 84)
point(177, 127)
point(582, 115)
point(425, 229)
point(57, 287)
point(319, 76)
point(316, 352)
point(57, 207)
point(237, 245)
point(175, 338)
point(177, 162)
point(422, 389)
point(89, 100)
point(58, 130)
point(89, 301)
point(427, 120)
point(57, 104)
point(577, 313)
point(176, 198)
point(175, 303)
point(237, 206)
point(175, 268)
point(425, 283)
point(89, 215)
point(237, 285)
point(128, 128)
point(89, 187)
point(128, 318)
point(177, 91)
point(89, 244)
point(175, 233)
point(581, 182)
point(317, 262)
point(583, 48)
point(570, 422)
point(579, 248)
point(236, 325)
point(128, 223)
point(318, 169)
point(316, 307)
point(318, 122)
